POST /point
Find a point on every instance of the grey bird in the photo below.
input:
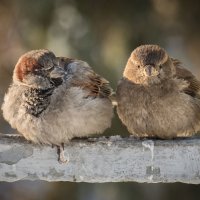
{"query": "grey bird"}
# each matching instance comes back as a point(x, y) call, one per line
point(157, 96)
point(53, 100)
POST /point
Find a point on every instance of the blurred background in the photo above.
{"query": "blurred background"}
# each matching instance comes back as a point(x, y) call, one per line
point(103, 33)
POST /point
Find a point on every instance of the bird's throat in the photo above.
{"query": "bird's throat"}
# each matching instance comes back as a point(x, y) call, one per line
point(36, 100)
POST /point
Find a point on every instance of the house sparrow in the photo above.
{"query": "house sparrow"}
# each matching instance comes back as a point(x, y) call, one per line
point(157, 97)
point(52, 100)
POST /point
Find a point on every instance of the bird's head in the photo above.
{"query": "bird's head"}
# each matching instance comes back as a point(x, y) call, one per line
point(38, 69)
point(149, 64)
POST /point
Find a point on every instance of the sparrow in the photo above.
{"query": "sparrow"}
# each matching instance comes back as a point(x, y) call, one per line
point(158, 97)
point(54, 99)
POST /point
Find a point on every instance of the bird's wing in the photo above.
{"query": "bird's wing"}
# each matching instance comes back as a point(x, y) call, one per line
point(94, 84)
point(85, 78)
point(193, 88)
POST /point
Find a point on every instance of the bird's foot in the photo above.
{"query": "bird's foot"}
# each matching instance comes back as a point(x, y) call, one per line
point(61, 155)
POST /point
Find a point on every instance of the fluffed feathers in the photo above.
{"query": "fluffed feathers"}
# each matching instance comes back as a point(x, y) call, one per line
point(193, 88)
point(95, 85)
point(157, 97)
point(52, 100)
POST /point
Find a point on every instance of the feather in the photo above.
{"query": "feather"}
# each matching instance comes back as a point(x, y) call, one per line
point(181, 73)
point(94, 84)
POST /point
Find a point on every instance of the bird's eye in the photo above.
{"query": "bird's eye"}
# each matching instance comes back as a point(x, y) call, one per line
point(138, 66)
point(160, 66)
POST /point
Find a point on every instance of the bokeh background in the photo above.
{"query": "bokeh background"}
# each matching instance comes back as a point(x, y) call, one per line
point(103, 33)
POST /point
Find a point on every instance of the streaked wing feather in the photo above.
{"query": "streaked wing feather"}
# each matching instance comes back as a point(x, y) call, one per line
point(96, 85)
point(182, 73)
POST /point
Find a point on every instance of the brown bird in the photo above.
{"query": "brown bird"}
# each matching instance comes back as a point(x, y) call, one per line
point(53, 100)
point(157, 97)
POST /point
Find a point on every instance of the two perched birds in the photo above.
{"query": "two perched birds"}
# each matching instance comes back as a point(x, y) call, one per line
point(53, 99)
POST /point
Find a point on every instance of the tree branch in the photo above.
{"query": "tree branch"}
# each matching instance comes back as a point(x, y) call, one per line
point(98, 160)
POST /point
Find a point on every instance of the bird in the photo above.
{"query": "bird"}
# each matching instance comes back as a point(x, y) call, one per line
point(54, 99)
point(157, 97)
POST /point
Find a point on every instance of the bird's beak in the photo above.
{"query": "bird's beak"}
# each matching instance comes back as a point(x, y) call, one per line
point(57, 72)
point(150, 70)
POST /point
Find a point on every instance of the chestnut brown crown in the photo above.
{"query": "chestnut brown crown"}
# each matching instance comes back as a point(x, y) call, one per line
point(38, 69)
